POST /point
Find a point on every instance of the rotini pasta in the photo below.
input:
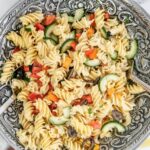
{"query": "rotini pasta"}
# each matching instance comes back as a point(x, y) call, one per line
point(31, 18)
point(71, 74)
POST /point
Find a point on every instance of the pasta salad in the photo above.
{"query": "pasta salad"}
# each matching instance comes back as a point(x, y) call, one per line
point(71, 73)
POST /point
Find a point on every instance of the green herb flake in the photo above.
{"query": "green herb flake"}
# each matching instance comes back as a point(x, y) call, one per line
point(90, 110)
point(28, 29)
point(26, 79)
point(127, 20)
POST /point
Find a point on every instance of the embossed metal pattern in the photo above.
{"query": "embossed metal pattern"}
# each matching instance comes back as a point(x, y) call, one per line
point(139, 27)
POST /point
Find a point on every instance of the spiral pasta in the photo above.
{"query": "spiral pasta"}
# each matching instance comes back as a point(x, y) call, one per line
point(18, 84)
point(19, 57)
point(23, 95)
point(135, 89)
point(45, 142)
point(71, 75)
point(73, 145)
point(28, 114)
point(84, 23)
point(30, 56)
point(16, 39)
point(27, 38)
point(24, 122)
point(99, 18)
point(43, 109)
point(39, 126)
point(31, 18)
point(8, 69)
point(84, 131)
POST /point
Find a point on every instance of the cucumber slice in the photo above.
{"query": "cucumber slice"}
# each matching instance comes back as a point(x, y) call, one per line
point(49, 30)
point(66, 112)
point(79, 13)
point(58, 120)
point(29, 28)
point(63, 119)
point(72, 34)
point(114, 55)
point(66, 45)
point(103, 82)
point(111, 125)
point(133, 49)
point(70, 19)
point(92, 63)
point(51, 40)
point(55, 38)
point(104, 33)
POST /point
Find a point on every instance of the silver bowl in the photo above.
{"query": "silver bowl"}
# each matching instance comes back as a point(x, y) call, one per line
point(138, 26)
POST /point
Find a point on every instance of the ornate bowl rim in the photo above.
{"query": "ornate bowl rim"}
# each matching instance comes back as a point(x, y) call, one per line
point(138, 9)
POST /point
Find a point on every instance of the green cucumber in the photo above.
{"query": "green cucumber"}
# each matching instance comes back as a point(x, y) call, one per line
point(51, 40)
point(103, 82)
point(55, 38)
point(29, 28)
point(105, 33)
point(63, 119)
point(49, 30)
point(111, 125)
point(66, 112)
point(66, 45)
point(114, 55)
point(70, 19)
point(133, 49)
point(72, 35)
point(79, 13)
point(92, 63)
point(58, 120)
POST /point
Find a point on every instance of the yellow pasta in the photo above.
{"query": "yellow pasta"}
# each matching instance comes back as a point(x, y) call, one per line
point(68, 102)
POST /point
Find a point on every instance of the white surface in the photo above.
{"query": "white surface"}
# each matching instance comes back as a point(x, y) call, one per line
point(7, 4)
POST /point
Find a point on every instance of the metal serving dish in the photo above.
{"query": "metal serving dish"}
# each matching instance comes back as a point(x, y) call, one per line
point(138, 26)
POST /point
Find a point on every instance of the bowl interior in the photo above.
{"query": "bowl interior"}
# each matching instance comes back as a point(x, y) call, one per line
point(138, 26)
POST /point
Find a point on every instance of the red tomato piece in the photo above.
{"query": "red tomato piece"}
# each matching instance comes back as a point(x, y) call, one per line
point(54, 113)
point(76, 102)
point(78, 35)
point(49, 19)
point(17, 49)
point(53, 106)
point(39, 83)
point(36, 70)
point(35, 76)
point(34, 96)
point(93, 24)
point(51, 88)
point(35, 112)
point(106, 16)
point(88, 98)
point(37, 64)
point(39, 26)
point(95, 124)
point(91, 16)
point(88, 53)
point(26, 68)
point(73, 45)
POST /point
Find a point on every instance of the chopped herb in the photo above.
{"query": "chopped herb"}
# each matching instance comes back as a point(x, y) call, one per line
point(26, 79)
point(28, 29)
point(90, 110)
point(127, 20)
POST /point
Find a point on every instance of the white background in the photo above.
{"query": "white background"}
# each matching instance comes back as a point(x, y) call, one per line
point(7, 4)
